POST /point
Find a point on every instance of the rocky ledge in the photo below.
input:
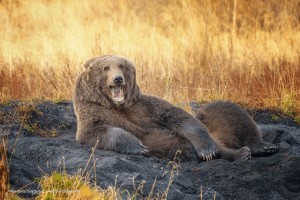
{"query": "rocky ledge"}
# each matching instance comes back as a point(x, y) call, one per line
point(41, 139)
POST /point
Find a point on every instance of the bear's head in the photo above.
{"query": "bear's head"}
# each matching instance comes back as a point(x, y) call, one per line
point(109, 80)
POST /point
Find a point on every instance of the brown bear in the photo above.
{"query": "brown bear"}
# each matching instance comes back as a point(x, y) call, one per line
point(232, 127)
point(113, 115)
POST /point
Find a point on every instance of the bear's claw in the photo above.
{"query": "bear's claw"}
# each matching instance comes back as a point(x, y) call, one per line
point(264, 148)
point(244, 154)
point(271, 149)
point(208, 156)
point(145, 149)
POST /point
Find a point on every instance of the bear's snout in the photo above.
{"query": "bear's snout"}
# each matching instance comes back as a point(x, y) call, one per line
point(118, 79)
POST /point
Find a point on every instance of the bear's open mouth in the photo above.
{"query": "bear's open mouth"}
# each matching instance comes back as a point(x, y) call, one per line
point(117, 93)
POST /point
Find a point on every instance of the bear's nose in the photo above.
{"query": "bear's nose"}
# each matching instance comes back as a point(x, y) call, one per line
point(118, 79)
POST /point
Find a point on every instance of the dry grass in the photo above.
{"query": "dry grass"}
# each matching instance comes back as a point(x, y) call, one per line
point(4, 176)
point(63, 186)
point(60, 185)
point(25, 114)
point(246, 51)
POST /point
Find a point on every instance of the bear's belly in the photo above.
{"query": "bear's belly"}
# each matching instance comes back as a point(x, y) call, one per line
point(162, 142)
point(165, 144)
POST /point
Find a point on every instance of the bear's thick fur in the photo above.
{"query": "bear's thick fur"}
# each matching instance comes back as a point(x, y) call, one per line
point(232, 127)
point(113, 115)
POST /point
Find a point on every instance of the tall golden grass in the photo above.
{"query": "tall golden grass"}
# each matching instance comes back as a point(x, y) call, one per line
point(4, 176)
point(246, 51)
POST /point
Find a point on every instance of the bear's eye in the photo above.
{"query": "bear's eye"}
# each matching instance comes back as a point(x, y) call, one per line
point(121, 66)
point(106, 68)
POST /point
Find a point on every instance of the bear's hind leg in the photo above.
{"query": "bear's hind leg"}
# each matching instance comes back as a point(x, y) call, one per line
point(254, 141)
point(242, 154)
point(263, 149)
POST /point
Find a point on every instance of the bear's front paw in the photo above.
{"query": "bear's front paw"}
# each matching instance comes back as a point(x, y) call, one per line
point(208, 153)
point(135, 149)
point(129, 144)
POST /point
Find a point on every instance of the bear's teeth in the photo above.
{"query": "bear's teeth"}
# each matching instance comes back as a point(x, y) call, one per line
point(117, 92)
point(116, 89)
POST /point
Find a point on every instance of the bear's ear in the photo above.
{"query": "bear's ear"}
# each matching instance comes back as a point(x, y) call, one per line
point(85, 77)
point(133, 71)
point(87, 64)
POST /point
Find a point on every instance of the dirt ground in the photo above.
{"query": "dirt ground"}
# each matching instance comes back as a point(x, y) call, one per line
point(31, 155)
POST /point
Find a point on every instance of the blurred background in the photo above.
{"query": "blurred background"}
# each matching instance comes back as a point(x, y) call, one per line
point(245, 51)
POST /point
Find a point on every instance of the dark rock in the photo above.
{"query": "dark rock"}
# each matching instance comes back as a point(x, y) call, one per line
point(272, 177)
